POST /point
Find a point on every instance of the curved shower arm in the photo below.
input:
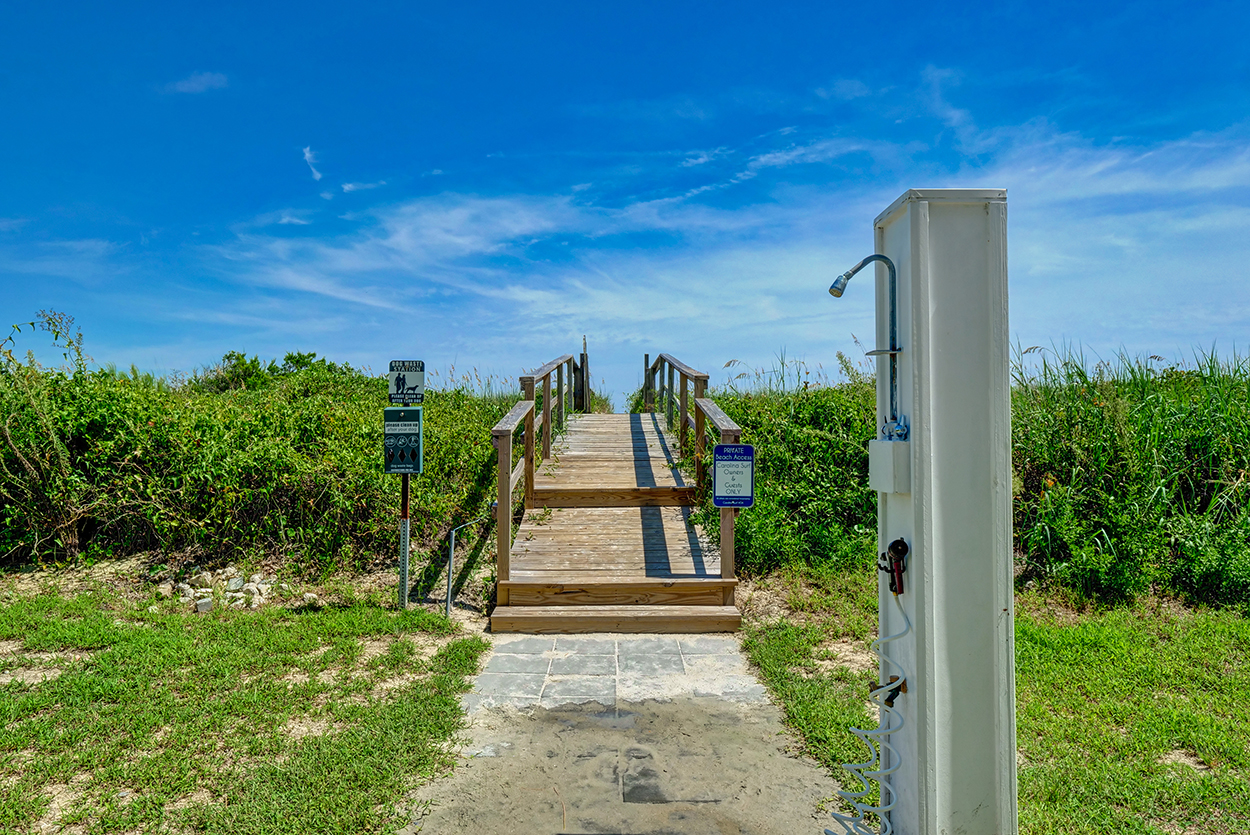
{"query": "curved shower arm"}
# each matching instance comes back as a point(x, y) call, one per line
point(894, 427)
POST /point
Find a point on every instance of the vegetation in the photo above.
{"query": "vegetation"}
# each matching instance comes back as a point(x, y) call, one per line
point(307, 720)
point(1127, 477)
point(244, 458)
point(1132, 710)
point(1131, 719)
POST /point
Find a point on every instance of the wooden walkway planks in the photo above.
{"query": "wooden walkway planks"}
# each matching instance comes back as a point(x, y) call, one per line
point(606, 541)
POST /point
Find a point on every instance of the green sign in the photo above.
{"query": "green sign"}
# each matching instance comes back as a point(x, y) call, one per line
point(404, 447)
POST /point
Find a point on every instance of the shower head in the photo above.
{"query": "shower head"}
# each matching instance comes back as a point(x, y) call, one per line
point(839, 285)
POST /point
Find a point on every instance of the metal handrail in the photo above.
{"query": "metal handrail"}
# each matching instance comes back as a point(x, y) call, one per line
point(451, 551)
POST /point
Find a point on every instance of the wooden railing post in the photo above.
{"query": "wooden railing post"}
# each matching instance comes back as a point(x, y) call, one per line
point(700, 434)
point(646, 381)
point(668, 409)
point(727, 517)
point(546, 415)
point(527, 393)
point(681, 419)
point(560, 395)
point(503, 511)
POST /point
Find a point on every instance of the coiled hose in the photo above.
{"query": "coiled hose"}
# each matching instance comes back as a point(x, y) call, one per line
point(877, 742)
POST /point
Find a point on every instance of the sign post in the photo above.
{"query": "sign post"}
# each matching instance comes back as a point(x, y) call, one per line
point(404, 445)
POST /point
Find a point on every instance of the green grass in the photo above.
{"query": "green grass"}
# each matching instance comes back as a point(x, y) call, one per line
point(1104, 699)
point(271, 721)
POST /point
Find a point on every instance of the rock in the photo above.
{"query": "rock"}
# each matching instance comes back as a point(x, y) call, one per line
point(228, 572)
point(154, 609)
point(203, 580)
point(235, 584)
point(250, 589)
point(183, 588)
point(256, 578)
point(311, 599)
point(238, 604)
point(264, 588)
point(186, 598)
point(165, 589)
point(204, 604)
point(256, 602)
point(284, 587)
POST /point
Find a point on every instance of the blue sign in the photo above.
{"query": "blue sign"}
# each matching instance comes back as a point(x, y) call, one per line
point(733, 475)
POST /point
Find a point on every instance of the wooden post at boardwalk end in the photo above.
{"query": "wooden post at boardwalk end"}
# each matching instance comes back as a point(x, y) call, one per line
point(527, 393)
point(503, 510)
point(587, 406)
point(646, 382)
point(700, 432)
point(727, 517)
point(681, 418)
point(546, 416)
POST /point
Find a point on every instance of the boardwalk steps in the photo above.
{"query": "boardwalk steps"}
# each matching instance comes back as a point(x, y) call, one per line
point(606, 542)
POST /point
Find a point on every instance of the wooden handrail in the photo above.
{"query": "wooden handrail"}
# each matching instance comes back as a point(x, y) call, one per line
point(681, 366)
point(544, 370)
point(509, 422)
point(523, 414)
point(720, 421)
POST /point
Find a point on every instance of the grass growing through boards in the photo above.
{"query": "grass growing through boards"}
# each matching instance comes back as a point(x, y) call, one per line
point(1131, 527)
point(117, 719)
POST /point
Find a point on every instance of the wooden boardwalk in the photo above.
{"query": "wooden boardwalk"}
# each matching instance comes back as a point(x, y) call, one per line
point(605, 542)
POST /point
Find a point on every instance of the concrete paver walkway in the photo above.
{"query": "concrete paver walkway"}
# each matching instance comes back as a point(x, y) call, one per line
point(617, 734)
point(550, 671)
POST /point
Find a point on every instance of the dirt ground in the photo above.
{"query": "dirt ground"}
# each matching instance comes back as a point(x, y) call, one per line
point(691, 766)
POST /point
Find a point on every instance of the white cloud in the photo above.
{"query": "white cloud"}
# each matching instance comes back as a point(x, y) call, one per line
point(198, 82)
point(1099, 236)
point(310, 158)
point(349, 187)
point(844, 89)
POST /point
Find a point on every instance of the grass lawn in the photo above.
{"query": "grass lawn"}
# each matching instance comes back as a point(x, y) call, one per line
point(1133, 719)
point(115, 719)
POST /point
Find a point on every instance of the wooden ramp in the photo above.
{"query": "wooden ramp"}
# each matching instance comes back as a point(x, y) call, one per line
point(605, 541)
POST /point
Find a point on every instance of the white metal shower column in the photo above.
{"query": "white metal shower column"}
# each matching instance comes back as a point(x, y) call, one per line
point(944, 488)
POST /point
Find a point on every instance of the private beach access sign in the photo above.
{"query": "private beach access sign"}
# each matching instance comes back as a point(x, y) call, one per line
point(733, 475)
point(406, 382)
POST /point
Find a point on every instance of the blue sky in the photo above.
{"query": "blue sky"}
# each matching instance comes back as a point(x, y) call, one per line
point(481, 184)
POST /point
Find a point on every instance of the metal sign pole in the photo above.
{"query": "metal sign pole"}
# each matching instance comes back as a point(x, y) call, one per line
point(403, 542)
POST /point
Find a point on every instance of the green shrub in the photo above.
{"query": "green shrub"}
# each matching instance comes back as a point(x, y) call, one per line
point(247, 457)
point(1127, 476)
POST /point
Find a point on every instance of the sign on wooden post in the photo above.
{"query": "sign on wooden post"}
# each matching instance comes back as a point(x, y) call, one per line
point(733, 475)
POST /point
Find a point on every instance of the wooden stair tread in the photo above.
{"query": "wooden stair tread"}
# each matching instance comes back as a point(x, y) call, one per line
point(622, 618)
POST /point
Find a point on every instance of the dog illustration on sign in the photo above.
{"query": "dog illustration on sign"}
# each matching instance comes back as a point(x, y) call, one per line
point(402, 387)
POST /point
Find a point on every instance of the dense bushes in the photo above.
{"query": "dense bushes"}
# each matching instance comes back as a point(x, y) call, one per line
point(245, 457)
point(1130, 475)
point(812, 500)
point(1126, 476)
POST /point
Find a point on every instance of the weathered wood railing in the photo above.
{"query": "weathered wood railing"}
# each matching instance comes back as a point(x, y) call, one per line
point(571, 393)
point(705, 418)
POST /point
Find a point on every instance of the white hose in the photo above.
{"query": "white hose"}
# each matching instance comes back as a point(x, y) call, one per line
point(877, 742)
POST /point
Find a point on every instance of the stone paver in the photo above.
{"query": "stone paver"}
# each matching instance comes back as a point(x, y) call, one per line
point(532, 670)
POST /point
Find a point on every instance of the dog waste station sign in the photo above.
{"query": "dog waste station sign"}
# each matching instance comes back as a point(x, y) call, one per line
point(403, 445)
point(733, 475)
point(406, 381)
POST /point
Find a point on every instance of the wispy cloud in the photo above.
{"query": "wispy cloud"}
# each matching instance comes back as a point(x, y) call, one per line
point(349, 187)
point(1099, 232)
point(310, 158)
point(199, 82)
point(845, 89)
